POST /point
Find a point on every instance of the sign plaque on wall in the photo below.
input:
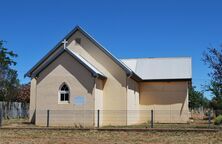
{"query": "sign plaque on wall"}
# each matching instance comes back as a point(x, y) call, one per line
point(79, 100)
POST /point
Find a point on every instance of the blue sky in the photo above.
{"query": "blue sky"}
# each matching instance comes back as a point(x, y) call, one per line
point(128, 29)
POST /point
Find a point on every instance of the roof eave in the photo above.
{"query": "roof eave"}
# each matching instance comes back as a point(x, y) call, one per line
point(128, 71)
point(50, 52)
point(136, 77)
point(34, 74)
point(94, 74)
point(167, 80)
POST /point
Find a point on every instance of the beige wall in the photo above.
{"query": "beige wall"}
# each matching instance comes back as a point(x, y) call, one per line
point(133, 107)
point(169, 100)
point(32, 101)
point(114, 89)
point(99, 101)
point(67, 70)
point(113, 96)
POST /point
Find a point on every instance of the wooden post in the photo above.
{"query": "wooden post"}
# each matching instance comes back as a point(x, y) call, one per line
point(151, 121)
point(97, 118)
point(47, 118)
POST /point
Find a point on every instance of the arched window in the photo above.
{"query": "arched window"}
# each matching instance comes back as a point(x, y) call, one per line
point(64, 93)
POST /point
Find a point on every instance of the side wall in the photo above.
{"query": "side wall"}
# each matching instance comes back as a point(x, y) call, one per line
point(169, 100)
point(32, 106)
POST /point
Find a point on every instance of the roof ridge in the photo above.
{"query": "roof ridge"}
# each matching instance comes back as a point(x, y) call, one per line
point(103, 49)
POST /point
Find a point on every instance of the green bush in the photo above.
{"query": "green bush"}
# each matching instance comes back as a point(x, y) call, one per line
point(218, 120)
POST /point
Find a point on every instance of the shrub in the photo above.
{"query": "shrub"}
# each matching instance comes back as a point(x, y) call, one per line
point(218, 120)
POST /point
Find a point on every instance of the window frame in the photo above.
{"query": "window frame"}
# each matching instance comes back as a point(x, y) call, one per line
point(60, 92)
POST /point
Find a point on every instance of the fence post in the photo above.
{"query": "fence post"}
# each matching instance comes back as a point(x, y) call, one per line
point(47, 118)
point(1, 117)
point(151, 121)
point(98, 118)
point(209, 118)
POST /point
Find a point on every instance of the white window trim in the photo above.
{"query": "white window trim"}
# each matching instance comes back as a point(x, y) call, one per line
point(63, 92)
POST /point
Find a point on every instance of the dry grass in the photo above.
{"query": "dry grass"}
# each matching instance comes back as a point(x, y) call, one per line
point(105, 137)
point(38, 136)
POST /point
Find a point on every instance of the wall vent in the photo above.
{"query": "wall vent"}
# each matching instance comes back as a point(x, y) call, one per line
point(78, 40)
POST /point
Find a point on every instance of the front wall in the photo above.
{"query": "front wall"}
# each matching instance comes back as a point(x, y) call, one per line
point(80, 82)
point(99, 101)
point(114, 89)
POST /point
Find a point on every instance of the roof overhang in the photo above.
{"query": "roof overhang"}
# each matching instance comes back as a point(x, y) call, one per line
point(166, 80)
point(128, 71)
point(95, 73)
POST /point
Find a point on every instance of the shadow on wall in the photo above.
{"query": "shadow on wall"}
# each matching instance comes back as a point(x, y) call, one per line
point(163, 93)
point(33, 117)
point(73, 67)
point(96, 53)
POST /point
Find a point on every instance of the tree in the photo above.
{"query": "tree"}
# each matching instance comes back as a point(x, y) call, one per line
point(6, 57)
point(9, 86)
point(213, 58)
point(24, 93)
point(9, 82)
point(197, 99)
point(216, 102)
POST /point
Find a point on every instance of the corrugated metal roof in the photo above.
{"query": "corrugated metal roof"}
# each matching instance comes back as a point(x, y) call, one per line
point(161, 68)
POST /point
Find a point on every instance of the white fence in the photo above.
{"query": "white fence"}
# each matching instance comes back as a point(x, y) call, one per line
point(14, 109)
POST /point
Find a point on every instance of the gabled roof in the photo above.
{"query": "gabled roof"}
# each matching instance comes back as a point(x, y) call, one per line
point(128, 71)
point(147, 69)
point(81, 60)
point(152, 69)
